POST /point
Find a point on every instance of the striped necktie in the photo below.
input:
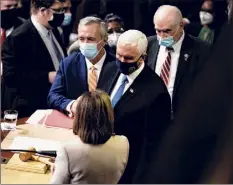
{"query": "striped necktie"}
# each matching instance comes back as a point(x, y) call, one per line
point(165, 72)
point(92, 79)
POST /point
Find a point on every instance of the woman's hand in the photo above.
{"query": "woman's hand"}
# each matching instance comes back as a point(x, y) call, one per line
point(52, 168)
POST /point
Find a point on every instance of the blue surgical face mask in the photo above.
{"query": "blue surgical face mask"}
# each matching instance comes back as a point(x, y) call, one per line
point(67, 19)
point(89, 50)
point(168, 41)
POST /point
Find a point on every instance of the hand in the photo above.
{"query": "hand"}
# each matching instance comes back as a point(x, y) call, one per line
point(52, 76)
point(52, 169)
point(74, 106)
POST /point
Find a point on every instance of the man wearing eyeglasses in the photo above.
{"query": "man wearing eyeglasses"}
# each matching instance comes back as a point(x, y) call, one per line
point(175, 56)
point(31, 56)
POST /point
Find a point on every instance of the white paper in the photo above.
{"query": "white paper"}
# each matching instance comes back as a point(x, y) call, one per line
point(37, 116)
point(39, 144)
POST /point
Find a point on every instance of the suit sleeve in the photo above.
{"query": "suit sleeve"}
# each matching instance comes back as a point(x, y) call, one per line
point(14, 53)
point(158, 120)
point(57, 94)
point(61, 173)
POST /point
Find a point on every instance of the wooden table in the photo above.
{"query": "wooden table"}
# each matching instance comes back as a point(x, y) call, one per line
point(36, 131)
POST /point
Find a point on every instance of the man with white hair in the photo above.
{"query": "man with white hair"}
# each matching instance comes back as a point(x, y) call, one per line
point(85, 70)
point(141, 103)
point(175, 56)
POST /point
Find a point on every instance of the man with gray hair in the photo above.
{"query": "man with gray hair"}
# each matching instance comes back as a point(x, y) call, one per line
point(175, 56)
point(85, 70)
point(141, 103)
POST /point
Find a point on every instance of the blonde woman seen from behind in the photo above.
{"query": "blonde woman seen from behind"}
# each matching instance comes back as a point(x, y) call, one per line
point(96, 156)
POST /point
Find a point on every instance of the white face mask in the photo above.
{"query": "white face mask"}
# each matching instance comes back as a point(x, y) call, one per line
point(113, 38)
point(206, 17)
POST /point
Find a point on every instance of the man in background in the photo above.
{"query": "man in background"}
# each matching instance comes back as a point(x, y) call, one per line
point(10, 11)
point(197, 149)
point(66, 26)
point(31, 56)
point(174, 55)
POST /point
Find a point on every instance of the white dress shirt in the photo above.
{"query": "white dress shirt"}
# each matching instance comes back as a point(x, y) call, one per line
point(131, 77)
point(44, 33)
point(175, 55)
point(98, 66)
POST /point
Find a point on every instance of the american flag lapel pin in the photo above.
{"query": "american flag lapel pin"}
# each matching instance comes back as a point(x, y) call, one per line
point(186, 56)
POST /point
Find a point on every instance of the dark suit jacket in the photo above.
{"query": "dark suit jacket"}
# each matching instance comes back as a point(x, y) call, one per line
point(26, 64)
point(19, 21)
point(142, 115)
point(71, 80)
point(193, 54)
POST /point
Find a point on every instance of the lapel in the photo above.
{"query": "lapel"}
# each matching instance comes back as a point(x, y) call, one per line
point(82, 71)
point(39, 43)
point(108, 70)
point(185, 56)
point(113, 81)
point(152, 54)
point(59, 39)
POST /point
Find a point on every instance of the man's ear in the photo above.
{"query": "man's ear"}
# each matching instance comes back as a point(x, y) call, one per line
point(105, 39)
point(42, 9)
point(144, 56)
point(182, 24)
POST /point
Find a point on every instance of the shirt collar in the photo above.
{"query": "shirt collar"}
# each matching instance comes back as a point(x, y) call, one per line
point(131, 77)
point(98, 65)
point(40, 28)
point(177, 45)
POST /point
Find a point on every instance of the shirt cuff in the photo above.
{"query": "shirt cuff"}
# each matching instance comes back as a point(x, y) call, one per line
point(68, 109)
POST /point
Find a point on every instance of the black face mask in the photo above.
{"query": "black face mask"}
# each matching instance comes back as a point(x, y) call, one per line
point(57, 20)
point(8, 17)
point(127, 68)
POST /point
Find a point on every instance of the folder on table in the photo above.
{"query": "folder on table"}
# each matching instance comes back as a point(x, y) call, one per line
point(51, 118)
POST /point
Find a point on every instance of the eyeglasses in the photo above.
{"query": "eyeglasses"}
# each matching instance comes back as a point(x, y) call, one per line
point(59, 10)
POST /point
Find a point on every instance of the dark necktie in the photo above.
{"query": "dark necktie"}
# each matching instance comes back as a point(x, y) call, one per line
point(120, 91)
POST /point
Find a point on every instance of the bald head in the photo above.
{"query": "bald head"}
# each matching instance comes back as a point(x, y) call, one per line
point(168, 21)
point(170, 14)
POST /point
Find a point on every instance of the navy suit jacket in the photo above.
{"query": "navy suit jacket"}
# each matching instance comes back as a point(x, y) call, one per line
point(71, 80)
